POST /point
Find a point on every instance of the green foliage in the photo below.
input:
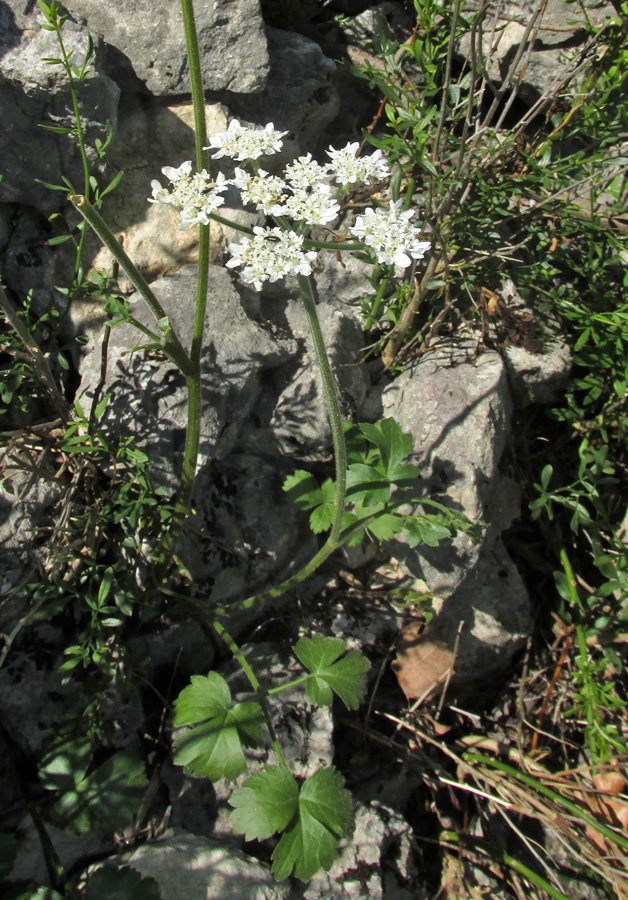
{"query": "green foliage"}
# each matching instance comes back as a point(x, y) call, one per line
point(125, 883)
point(265, 803)
point(312, 820)
point(345, 677)
point(33, 893)
point(86, 795)
point(214, 746)
point(376, 481)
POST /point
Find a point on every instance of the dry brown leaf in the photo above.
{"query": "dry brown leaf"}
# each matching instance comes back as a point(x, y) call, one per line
point(423, 660)
point(605, 807)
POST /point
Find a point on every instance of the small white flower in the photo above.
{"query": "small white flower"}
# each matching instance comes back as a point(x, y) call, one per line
point(267, 192)
point(241, 143)
point(305, 173)
point(346, 168)
point(194, 195)
point(183, 171)
point(314, 207)
point(269, 255)
point(390, 234)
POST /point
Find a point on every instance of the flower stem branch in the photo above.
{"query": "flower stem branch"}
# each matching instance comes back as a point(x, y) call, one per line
point(172, 345)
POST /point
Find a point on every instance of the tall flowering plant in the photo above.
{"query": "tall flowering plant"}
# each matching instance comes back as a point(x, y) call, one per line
point(310, 818)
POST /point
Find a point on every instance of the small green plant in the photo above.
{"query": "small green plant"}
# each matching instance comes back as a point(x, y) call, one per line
point(312, 817)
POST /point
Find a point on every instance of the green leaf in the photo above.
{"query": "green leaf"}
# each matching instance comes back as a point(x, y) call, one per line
point(33, 893)
point(113, 184)
point(345, 677)
point(125, 883)
point(45, 8)
point(546, 475)
point(324, 815)
point(265, 803)
point(213, 748)
point(322, 517)
point(303, 490)
point(386, 526)
point(367, 484)
point(106, 796)
point(391, 442)
point(56, 129)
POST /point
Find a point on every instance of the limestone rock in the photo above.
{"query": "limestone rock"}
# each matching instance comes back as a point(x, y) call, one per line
point(148, 395)
point(300, 96)
point(556, 41)
point(186, 866)
point(148, 44)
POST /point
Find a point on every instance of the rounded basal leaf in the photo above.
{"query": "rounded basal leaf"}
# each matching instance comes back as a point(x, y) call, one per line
point(265, 803)
point(206, 696)
point(325, 815)
point(213, 748)
point(345, 677)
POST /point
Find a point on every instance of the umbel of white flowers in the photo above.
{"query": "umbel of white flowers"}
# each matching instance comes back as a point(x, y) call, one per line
point(306, 195)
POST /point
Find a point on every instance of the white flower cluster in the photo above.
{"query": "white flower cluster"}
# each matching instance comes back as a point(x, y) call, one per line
point(246, 143)
point(270, 255)
point(196, 196)
point(306, 194)
point(390, 234)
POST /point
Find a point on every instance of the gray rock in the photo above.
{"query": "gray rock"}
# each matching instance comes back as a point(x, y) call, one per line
point(300, 96)
point(458, 413)
point(359, 872)
point(243, 536)
point(300, 422)
point(149, 51)
point(487, 619)
point(33, 700)
point(32, 92)
point(189, 867)
point(535, 375)
point(148, 396)
point(27, 507)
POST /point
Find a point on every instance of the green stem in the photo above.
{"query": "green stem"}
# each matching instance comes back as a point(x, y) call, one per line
point(259, 691)
point(172, 345)
point(288, 685)
point(333, 245)
point(333, 407)
point(166, 548)
point(196, 80)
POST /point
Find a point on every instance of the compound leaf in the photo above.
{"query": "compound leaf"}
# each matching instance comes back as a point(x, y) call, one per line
point(391, 442)
point(345, 677)
point(214, 747)
point(302, 490)
point(322, 517)
point(265, 803)
point(324, 815)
